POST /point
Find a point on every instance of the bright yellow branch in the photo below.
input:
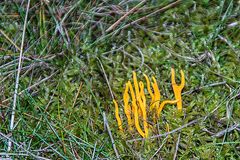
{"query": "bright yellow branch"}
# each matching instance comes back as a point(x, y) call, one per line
point(177, 89)
point(159, 110)
point(119, 121)
point(143, 108)
point(135, 110)
point(127, 107)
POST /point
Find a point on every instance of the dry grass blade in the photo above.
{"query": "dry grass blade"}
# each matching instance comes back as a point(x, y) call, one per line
point(110, 135)
point(20, 146)
point(167, 133)
point(105, 76)
point(163, 142)
point(32, 86)
point(228, 130)
point(18, 77)
point(15, 45)
point(113, 26)
point(176, 149)
point(171, 5)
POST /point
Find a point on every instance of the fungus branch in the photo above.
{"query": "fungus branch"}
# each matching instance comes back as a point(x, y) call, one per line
point(135, 110)
point(119, 121)
point(177, 89)
point(127, 107)
point(159, 110)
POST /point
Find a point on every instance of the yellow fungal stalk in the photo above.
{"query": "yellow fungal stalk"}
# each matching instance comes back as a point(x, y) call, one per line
point(137, 93)
point(142, 103)
point(177, 89)
point(135, 110)
point(135, 83)
point(127, 107)
point(159, 110)
point(119, 121)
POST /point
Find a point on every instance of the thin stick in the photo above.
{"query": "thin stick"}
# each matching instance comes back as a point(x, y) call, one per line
point(105, 76)
point(94, 150)
point(110, 135)
point(171, 5)
point(229, 110)
point(32, 86)
point(206, 86)
point(78, 92)
point(114, 25)
point(176, 150)
point(164, 141)
point(20, 146)
point(167, 133)
point(228, 130)
point(17, 78)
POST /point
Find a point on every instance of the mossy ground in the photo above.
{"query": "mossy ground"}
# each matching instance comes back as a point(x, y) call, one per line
point(68, 59)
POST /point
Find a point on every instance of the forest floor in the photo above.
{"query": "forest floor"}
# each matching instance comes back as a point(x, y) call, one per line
point(62, 63)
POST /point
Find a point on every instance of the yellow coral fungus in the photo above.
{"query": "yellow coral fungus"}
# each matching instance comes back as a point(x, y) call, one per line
point(141, 99)
point(177, 89)
point(135, 110)
point(119, 121)
point(143, 107)
point(135, 103)
point(127, 107)
point(137, 92)
point(135, 83)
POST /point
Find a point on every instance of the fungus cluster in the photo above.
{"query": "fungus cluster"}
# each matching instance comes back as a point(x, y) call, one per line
point(135, 103)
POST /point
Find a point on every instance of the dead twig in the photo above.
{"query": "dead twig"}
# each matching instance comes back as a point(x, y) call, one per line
point(176, 149)
point(167, 133)
point(3, 136)
point(110, 135)
point(163, 142)
point(105, 76)
point(230, 129)
point(32, 86)
point(171, 5)
point(9, 39)
point(78, 92)
point(206, 86)
point(114, 25)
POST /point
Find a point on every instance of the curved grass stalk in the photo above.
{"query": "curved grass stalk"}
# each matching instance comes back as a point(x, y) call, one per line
point(157, 95)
